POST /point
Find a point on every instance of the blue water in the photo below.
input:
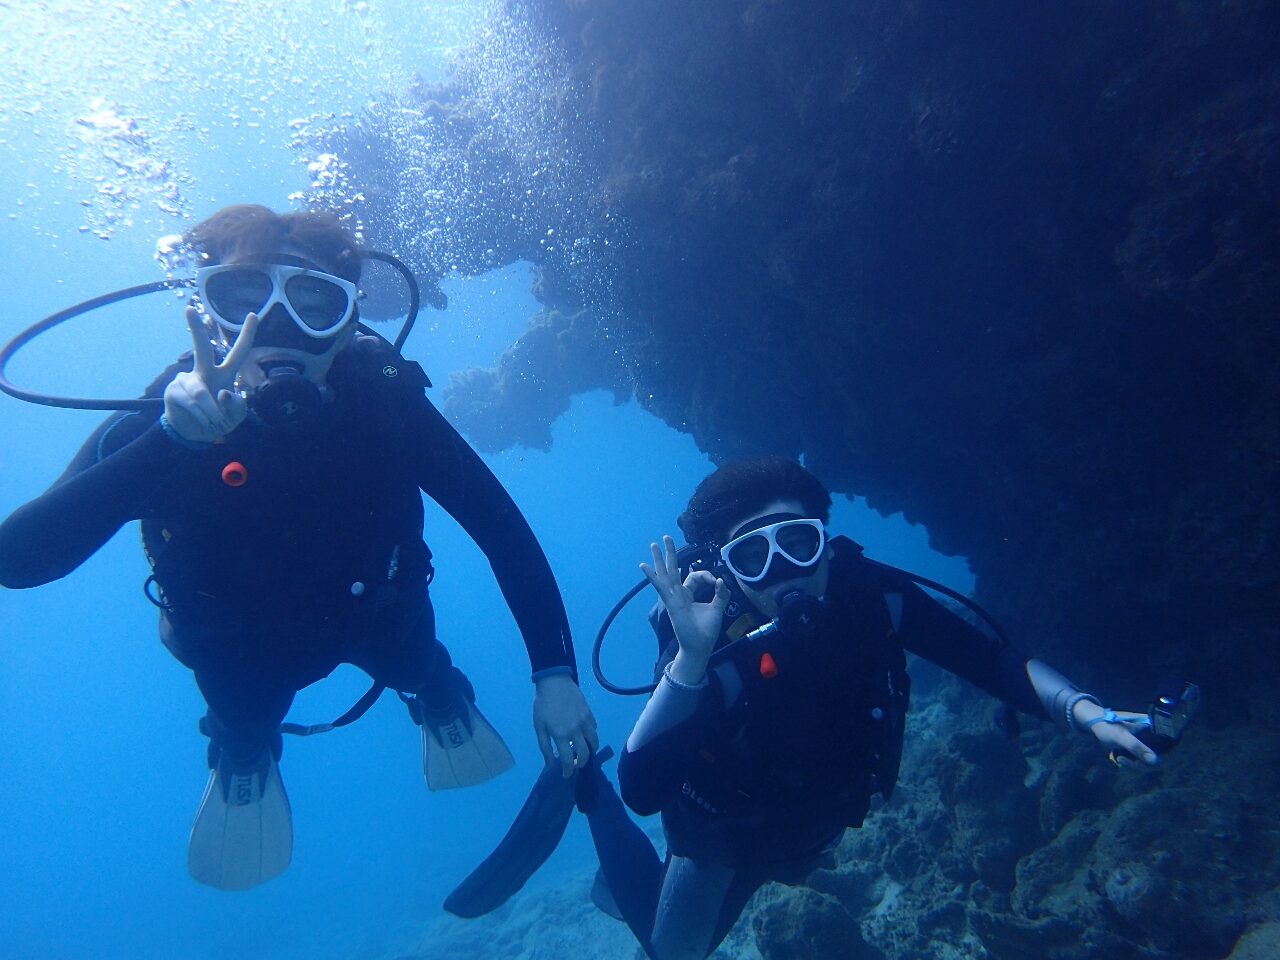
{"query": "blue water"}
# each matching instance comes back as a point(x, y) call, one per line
point(102, 763)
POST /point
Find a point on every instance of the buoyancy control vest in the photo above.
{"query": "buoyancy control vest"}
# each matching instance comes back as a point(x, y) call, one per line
point(787, 758)
point(323, 482)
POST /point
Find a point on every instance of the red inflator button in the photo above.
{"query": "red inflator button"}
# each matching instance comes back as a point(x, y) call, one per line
point(234, 474)
point(768, 669)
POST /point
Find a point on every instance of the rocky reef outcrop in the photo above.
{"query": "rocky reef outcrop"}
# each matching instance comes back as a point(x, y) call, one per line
point(1010, 269)
point(1034, 850)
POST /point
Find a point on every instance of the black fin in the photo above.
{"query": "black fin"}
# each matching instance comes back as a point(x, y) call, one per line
point(602, 897)
point(533, 836)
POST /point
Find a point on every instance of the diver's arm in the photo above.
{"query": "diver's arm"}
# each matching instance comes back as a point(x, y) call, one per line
point(662, 744)
point(454, 476)
point(671, 704)
point(114, 474)
point(931, 631)
point(1066, 704)
point(661, 747)
point(1032, 686)
point(1062, 700)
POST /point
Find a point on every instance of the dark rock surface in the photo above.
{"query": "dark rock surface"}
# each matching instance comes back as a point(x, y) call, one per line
point(809, 924)
point(1174, 863)
point(1021, 260)
point(983, 855)
point(1008, 268)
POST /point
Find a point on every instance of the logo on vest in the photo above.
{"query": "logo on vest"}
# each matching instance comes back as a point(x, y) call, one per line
point(697, 799)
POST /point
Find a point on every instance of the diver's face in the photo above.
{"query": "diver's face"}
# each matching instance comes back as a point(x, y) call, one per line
point(765, 595)
point(279, 342)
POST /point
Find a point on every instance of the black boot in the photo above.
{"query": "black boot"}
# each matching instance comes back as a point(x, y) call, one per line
point(236, 747)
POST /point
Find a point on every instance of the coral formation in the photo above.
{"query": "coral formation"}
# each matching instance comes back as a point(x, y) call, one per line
point(1009, 269)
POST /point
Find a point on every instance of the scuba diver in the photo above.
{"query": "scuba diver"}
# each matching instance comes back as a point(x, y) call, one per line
point(779, 707)
point(279, 488)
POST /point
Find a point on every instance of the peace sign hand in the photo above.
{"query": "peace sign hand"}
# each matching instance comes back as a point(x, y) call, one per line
point(696, 623)
point(202, 405)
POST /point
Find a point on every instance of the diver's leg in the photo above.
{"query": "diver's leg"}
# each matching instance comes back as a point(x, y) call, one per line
point(242, 834)
point(745, 883)
point(243, 830)
point(244, 681)
point(691, 909)
point(244, 714)
point(406, 655)
point(631, 866)
point(459, 746)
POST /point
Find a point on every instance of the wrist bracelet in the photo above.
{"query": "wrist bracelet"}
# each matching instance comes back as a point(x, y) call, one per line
point(1108, 716)
point(1071, 706)
point(561, 671)
point(666, 675)
point(171, 432)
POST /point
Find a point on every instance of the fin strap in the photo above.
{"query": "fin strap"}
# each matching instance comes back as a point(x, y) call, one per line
point(358, 710)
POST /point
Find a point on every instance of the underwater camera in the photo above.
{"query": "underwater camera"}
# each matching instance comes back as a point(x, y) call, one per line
point(1169, 715)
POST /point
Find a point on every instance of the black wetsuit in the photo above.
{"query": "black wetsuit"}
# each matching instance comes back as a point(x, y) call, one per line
point(764, 774)
point(316, 559)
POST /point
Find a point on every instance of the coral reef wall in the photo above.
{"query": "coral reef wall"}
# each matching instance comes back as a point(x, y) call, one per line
point(1011, 269)
point(1008, 268)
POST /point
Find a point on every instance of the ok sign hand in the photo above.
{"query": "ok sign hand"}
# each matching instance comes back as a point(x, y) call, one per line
point(696, 622)
point(202, 405)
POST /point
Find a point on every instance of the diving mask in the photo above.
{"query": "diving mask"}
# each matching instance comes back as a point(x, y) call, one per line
point(319, 303)
point(751, 555)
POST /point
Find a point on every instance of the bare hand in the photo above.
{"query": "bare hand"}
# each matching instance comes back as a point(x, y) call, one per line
point(563, 723)
point(1118, 737)
point(202, 405)
point(696, 623)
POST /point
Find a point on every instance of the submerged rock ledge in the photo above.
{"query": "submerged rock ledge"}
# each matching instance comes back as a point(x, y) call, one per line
point(989, 849)
point(1010, 269)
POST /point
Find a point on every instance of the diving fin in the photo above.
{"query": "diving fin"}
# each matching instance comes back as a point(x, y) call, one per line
point(533, 836)
point(460, 748)
point(602, 896)
point(243, 832)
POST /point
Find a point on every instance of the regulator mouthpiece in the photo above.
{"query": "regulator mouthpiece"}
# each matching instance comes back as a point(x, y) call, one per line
point(286, 400)
point(799, 614)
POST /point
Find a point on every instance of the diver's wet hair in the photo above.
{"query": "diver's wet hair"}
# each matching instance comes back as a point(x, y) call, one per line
point(247, 229)
point(742, 487)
